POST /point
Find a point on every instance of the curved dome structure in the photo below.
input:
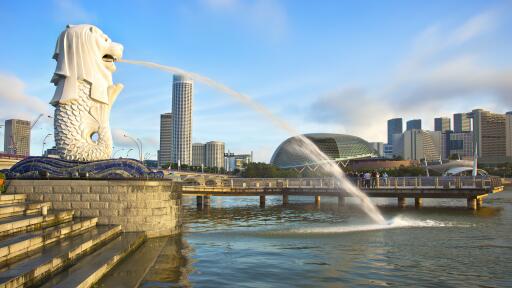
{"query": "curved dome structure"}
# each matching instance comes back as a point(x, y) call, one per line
point(337, 147)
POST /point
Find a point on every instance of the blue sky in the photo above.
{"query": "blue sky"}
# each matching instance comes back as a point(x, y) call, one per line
point(324, 66)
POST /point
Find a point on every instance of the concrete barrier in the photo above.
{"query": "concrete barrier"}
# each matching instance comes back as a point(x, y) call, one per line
point(151, 206)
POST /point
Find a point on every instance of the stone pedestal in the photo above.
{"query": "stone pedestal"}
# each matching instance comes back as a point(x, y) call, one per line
point(151, 206)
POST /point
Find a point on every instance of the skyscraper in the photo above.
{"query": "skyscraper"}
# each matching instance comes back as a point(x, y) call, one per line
point(414, 124)
point(214, 155)
point(509, 133)
point(198, 151)
point(182, 120)
point(461, 122)
point(164, 155)
point(17, 137)
point(442, 124)
point(489, 135)
point(395, 126)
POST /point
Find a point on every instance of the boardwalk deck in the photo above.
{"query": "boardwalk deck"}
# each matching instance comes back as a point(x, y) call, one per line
point(472, 189)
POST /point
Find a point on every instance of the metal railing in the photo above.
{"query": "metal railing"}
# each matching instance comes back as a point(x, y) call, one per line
point(441, 182)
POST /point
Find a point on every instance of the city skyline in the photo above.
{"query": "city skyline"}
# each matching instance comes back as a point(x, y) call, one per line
point(341, 91)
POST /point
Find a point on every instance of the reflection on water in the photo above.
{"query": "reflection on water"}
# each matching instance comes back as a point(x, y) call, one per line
point(171, 267)
point(235, 243)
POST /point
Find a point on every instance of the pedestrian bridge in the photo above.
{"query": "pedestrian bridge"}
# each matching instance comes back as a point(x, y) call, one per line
point(473, 189)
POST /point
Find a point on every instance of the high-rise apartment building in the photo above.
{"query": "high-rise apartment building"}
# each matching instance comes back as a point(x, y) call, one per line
point(414, 124)
point(214, 154)
point(164, 154)
point(17, 137)
point(198, 151)
point(442, 124)
point(461, 122)
point(182, 92)
point(489, 135)
point(395, 126)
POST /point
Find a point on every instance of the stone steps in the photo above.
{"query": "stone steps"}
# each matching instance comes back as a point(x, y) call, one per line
point(48, 261)
point(25, 208)
point(23, 223)
point(16, 247)
point(94, 266)
point(12, 198)
point(131, 271)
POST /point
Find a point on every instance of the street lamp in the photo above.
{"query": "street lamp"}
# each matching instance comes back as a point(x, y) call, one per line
point(115, 152)
point(44, 142)
point(129, 150)
point(137, 144)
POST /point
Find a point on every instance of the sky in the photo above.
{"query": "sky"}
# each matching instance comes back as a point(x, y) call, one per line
point(322, 66)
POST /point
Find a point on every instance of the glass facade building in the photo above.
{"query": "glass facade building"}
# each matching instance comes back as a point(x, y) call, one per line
point(181, 120)
point(335, 146)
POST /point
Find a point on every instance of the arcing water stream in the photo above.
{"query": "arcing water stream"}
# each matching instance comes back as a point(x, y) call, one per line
point(308, 148)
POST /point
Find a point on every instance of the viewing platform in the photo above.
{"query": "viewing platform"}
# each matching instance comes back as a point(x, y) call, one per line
point(473, 189)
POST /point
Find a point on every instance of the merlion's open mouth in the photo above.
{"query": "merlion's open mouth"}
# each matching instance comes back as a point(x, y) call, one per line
point(109, 58)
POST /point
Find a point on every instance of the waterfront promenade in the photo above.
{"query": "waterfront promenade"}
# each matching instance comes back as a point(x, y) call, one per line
point(473, 189)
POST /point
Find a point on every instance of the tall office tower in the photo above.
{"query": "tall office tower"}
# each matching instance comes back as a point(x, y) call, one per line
point(461, 122)
point(509, 133)
point(164, 155)
point(17, 137)
point(418, 144)
point(379, 147)
point(414, 124)
point(394, 127)
point(182, 120)
point(214, 154)
point(442, 124)
point(198, 154)
point(489, 135)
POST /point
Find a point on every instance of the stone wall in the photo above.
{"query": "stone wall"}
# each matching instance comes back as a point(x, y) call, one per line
point(153, 206)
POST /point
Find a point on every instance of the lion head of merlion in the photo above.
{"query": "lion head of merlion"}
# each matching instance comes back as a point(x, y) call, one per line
point(84, 92)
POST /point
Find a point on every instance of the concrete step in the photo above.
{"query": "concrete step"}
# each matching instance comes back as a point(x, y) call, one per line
point(48, 261)
point(26, 208)
point(22, 223)
point(16, 247)
point(12, 198)
point(131, 271)
point(94, 266)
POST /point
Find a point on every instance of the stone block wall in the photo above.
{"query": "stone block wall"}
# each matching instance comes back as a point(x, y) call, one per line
point(153, 206)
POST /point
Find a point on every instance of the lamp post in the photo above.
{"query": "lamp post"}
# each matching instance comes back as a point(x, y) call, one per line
point(44, 142)
point(129, 150)
point(136, 144)
point(115, 152)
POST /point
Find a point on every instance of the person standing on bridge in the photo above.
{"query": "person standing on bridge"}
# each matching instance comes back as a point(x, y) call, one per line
point(385, 178)
point(367, 178)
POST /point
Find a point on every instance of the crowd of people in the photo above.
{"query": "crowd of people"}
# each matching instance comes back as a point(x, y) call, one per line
point(369, 179)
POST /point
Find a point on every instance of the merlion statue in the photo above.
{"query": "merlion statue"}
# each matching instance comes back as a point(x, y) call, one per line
point(84, 92)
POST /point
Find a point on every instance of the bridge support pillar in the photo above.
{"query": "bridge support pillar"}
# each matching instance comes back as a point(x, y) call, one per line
point(285, 199)
point(199, 201)
point(472, 203)
point(317, 200)
point(341, 201)
point(206, 201)
point(262, 201)
point(401, 202)
point(417, 202)
point(479, 202)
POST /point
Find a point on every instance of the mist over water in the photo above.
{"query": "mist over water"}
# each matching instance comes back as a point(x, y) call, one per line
point(306, 147)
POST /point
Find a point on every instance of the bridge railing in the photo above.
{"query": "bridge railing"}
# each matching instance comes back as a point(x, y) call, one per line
point(441, 182)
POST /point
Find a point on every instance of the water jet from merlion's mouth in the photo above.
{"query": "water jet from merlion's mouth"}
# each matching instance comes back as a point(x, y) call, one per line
point(309, 149)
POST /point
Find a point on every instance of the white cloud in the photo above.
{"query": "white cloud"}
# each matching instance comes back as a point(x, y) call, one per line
point(430, 82)
point(16, 103)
